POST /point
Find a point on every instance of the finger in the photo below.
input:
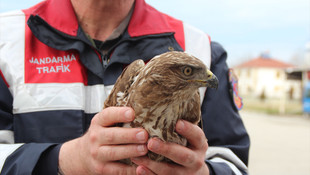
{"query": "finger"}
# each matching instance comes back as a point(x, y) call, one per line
point(119, 152)
point(117, 135)
point(194, 135)
point(141, 170)
point(177, 153)
point(113, 115)
point(114, 168)
point(153, 167)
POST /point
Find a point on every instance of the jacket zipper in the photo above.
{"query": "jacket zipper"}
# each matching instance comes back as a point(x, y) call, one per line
point(105, 60)
point(105, 57)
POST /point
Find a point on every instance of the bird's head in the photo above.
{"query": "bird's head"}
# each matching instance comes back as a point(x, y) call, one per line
point(182, 70)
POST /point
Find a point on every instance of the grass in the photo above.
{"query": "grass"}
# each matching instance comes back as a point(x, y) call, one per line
point(273, 106)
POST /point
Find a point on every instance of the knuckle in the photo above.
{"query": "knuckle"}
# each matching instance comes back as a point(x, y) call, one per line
point(204, 145)
point(93, 137)
point(94, 153)
point(189, 159)
point(104, 116)
point(200, 133)
point(94, 120)
point(198, 163)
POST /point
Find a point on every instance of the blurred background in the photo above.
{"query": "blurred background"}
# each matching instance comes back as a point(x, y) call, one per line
point(268, 45)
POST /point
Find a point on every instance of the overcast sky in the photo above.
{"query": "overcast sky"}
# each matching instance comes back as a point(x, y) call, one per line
point(246, 28)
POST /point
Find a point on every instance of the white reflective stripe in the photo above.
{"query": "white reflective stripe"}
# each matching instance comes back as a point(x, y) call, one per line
point(232, 166)
point(98, 92)
point(6, 136)
point(5, 151)
point(12, 47)
point(226, 154)
point(60, 96)
point(197, 43)
point(48, 96)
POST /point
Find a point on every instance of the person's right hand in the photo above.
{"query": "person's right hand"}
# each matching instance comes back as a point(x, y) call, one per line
point(98, 150)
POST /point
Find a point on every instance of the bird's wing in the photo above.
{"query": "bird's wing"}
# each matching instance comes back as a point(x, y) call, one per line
point(124, 82)
point(192, 111)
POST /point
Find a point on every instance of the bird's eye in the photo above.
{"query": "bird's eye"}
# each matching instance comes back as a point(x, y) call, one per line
point(187, 71)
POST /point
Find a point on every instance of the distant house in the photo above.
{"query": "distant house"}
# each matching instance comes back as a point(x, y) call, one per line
point(264, 77)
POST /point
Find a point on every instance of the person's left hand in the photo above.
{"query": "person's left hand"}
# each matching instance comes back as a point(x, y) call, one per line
point(189, 160)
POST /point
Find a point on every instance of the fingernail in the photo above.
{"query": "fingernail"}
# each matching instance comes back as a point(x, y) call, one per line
point(155, 144)
point(141, 136)
point(141, 171)
point(180, 125)
point(141, 148)
point(128, 115)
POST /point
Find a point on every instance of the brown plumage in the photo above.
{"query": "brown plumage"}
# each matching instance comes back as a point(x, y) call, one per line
point(162, 92)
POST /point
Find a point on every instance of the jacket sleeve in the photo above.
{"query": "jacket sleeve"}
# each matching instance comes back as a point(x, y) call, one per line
point(227, 137)
point(30, 158)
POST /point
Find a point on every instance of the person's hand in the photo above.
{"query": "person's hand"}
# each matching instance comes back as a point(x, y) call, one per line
point(98, 151)
point(189, 160)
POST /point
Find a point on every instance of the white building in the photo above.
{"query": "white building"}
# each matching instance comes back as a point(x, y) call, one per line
point(264, 77)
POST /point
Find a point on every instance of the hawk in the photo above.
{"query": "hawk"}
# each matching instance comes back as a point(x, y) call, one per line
point(162, 92)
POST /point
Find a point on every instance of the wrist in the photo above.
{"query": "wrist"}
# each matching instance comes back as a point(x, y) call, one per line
point(69, 159)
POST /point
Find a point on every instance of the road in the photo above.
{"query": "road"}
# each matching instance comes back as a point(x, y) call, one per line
point(280, 145)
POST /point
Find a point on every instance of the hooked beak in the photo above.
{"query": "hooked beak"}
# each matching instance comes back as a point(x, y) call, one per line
point(211, 80)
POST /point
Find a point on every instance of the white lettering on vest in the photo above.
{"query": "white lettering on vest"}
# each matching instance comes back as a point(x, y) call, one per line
point(53, 69)
point(43, 66)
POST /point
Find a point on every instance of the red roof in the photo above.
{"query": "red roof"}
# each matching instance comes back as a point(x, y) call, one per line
point(264, 62)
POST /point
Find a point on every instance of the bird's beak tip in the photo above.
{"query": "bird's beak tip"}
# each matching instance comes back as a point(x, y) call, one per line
point(212, 81)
